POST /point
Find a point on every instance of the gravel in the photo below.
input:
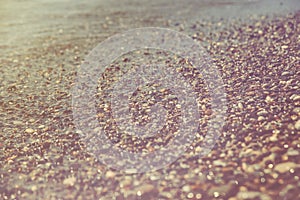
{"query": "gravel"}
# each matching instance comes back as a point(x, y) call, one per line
point(257, 156)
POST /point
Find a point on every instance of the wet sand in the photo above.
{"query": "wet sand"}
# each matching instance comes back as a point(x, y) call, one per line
point(256, 52)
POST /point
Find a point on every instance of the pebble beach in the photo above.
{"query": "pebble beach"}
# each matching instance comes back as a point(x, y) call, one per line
point(253, 44)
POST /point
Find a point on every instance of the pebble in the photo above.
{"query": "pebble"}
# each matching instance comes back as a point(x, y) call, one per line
point(240, 105)
point(273, 138)
point(17, 122)
point(221, 190)
point(131, 171)
point(297, 125)
point(166, 195)
point(295, 97)
point(262, 112)
point(297, 110)
point(69, 181)
point(292, 152)
point(260, 118)
point(219, 163)
point(285, 167)
point(126, 182)
point(34, 188)
point(285, 190)
point(252, 195)
point(250, 168)
point(41, 126)
point(146, 188)
point(269, 99)
point(186, 188)
point(190, 195)
point(110, 174)
point(29, 130)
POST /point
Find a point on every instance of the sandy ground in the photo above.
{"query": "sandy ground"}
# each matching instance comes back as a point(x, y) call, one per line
point(254, 44)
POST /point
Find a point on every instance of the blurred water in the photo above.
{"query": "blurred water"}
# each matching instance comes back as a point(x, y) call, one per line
point(22, 22)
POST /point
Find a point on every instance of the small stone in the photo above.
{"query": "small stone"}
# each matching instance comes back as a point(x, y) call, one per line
point(285, 167)
point(297, 125)
point(262, 112)
point(166, 195)
point(269, 99)
point(250, 168)
point(34, 188)
point(29, 130)
point(295, 97)
point(297, 110)
point(198, 196)
point(248, 138)
point(219, 163)
point(220, 190)
point(285, 73)
point(243, 188)
point(294, 117)
point(273, 138)
point(41, 126)
point(126, 182)
point(145, 188)
point(285, 190)
point(131, 171)
point(186, 188)
point(69, 181)
point(260, 118)
point(190, 195)
point(292, 152)
point(252, 195)
point(110, 174)
point(240, 105)
point(178, 106)
point(17, 122)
